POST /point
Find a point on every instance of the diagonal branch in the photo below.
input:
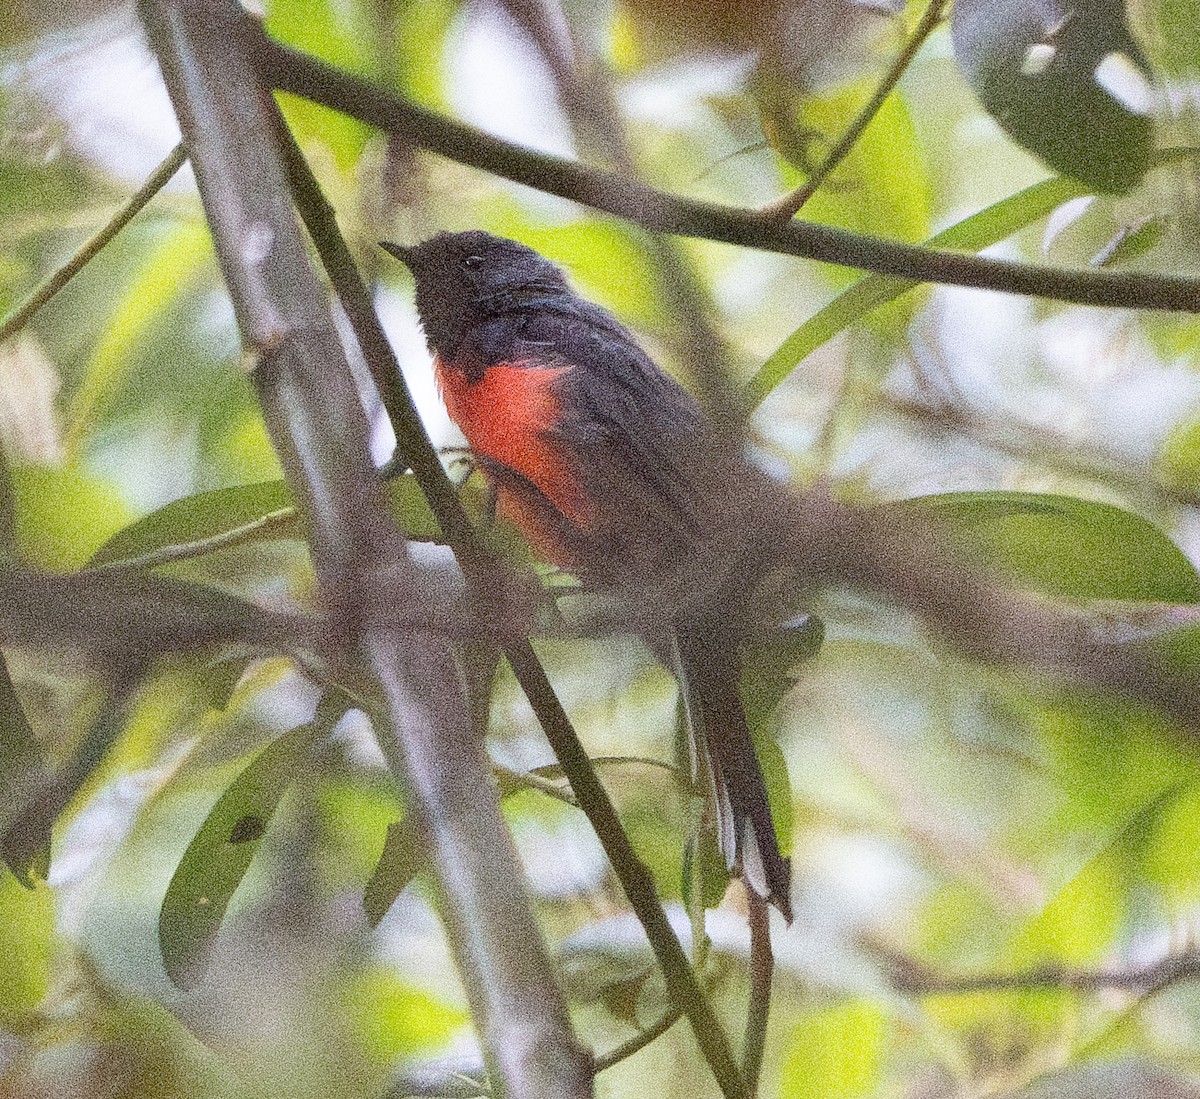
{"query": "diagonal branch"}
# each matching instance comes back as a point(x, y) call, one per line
point(291, 71)
point(135, 203)
point(789, 206)
point(443, 500)
point(317, 425)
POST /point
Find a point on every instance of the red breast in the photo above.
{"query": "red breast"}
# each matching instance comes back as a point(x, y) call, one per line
point(508, 415)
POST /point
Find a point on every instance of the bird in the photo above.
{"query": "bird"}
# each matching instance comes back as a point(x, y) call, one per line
point(612, 471)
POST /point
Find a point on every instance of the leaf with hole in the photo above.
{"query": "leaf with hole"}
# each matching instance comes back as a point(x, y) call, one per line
point(219, 855)
point(1066, 81)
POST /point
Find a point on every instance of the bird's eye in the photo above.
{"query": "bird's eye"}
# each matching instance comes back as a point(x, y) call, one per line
point(472, 261)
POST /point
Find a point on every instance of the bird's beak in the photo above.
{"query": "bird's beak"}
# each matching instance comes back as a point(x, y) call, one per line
point(403, 254)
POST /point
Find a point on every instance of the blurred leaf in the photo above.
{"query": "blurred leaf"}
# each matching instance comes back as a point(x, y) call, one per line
point(769, 665)
point(607, 260)
point(1177, 464)
point(357, 808)
point(196, 519)
point(405, 855)
point(773, 763)
point(27, 946)
point(63, 514)
point(212, 515)
point(1082, 920)
point(1172, 861)
point(881, 188)
point(393, 1019)
point(22, 758)
point(220, 678)
point(1131, 241)
point(702, 857)
point(420, 31)
point(972, 234)
point(1078, 549)
point(1068, 83)
point(1176, 46)
point(25, 844)
point(184, 250)
point(1111, 758)
point(220, 853)
point(340, 34)
point(836, 1053)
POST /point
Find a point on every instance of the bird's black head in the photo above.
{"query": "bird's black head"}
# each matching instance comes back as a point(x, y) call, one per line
point(463, 278)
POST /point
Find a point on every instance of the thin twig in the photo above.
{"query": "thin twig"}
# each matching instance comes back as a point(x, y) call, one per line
point(639, 1041)
point(291, 71)
point(762, 969)
point(13, 324)
point(915, 979)
point(183, 551)
point(635, 879)
point(789, 205)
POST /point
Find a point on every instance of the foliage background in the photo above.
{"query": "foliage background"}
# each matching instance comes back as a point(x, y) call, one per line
point(963, 819)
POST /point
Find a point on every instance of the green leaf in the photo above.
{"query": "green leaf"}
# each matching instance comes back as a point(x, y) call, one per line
point(1175, 46)
point(702, 859)
point(836, 1053)
point(1068, 84)
point(972, 234)
point(1132, 240)
point(62, 514)
point(27, 944)
point(183, 252)
point(393, 1019)
point(768, 673)
point(22, 758)
point(1080, 922)
point(223, 514)
point(218, 857)
point(198, 518)
point(25, 843)
point(608, 261)
point(1063, 546)
point(1177, 465)
point(341, 35)
point(881, 187)
point(404, 856)
point(769, 663)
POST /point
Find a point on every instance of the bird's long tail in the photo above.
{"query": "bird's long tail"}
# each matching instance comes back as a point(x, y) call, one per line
point(721, 738)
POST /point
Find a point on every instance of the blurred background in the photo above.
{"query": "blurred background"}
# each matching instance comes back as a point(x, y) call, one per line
point(946, 816)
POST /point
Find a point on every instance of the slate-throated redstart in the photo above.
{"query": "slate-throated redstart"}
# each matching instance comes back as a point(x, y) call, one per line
point(610, 470)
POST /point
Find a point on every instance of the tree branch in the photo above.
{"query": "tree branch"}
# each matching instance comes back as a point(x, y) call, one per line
point(291, 71)
point(762, 969)
point(485, 577)
point(157, 179)
point(318, 427)
point(789, 206)
point(914, 979)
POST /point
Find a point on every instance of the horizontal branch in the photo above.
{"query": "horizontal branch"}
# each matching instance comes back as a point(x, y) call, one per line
point(911, 977)
point(291, 71)
point(135, 614)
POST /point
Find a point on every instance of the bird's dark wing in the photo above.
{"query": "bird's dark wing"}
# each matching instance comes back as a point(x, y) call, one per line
point(637, 439)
